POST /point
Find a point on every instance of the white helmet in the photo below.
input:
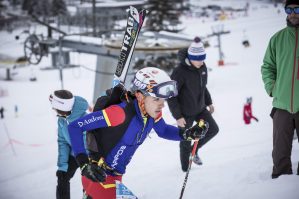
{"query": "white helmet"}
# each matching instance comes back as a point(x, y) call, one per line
point(154, 82)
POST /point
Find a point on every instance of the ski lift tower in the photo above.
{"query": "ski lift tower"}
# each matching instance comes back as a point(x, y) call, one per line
point(218, 31)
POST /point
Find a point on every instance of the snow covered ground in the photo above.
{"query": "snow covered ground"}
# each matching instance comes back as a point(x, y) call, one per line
point(237, 162)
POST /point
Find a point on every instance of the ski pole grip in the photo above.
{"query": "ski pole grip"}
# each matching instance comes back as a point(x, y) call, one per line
point(201, 123)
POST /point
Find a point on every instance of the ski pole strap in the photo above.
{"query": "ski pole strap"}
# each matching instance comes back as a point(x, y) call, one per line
point(201, 123)
point(101, 163)
point(83, 167)
point(205, 126)
point(82, 160)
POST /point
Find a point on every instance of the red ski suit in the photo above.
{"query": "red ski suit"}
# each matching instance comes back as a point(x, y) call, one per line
point(247, 114)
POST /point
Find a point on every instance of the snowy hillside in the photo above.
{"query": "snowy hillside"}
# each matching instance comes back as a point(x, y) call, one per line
point(237, 163)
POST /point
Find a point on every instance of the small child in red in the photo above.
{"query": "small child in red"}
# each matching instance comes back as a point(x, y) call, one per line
point(247, 112)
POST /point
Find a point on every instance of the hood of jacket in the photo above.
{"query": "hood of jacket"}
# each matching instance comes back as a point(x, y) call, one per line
point(79, 108)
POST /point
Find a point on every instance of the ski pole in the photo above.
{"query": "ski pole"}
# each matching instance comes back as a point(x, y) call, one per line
point(205, 126)
point(189, 167)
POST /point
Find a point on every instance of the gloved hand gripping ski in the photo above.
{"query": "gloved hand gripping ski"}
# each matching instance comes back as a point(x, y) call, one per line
point(93, 172)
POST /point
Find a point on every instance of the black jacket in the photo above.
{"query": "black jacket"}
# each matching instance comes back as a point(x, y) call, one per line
point(193, 96)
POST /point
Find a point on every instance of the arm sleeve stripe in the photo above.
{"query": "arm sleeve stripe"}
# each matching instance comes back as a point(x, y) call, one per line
point(106, 118)
point(114, 115)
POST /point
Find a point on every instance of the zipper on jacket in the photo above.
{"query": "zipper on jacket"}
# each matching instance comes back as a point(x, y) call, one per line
point(201, 82)
point(294, 69)
point(140, 133)
point(200, 76)
point(298, 70)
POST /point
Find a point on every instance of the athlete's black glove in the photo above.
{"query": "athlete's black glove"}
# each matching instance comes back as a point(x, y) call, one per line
point(90, 170)
point(93, 172)
point(198, 131)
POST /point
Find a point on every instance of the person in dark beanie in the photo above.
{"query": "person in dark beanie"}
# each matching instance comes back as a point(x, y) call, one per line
point(194, 100)
point(68, 108)
point(280, 73)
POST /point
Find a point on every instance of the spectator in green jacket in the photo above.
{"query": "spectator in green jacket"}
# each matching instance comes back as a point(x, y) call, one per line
point(280, 72)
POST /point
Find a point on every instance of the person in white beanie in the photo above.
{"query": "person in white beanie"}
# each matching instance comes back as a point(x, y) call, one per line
point(68, 108)
point(193, 101)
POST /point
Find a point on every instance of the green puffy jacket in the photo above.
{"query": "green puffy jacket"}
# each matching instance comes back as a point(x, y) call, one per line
point(280, 69)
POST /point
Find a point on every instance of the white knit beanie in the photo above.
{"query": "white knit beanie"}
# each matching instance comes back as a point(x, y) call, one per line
point(196, 50)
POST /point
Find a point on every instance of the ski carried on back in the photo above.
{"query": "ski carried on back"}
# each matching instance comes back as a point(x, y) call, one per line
point(134, 24)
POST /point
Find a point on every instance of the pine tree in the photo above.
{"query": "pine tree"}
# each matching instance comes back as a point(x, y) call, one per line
point(26, 4)
point(33, 8)
point(45, 7)
point(164, 15)
point(37, 8)
point(15, 2)
point(59, 8)
point(2, 7)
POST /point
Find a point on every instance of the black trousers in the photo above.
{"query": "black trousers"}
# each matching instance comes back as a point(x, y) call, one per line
point(63, 179)
point(185, 146)
point(284, 125)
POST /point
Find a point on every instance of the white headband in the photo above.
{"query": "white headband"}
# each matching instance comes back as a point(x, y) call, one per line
point(62, 104)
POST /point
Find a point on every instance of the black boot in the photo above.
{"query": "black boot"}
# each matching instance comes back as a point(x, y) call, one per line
point(298, 169)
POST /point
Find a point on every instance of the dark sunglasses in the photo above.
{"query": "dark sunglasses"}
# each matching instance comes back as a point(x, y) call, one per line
point(290, 10)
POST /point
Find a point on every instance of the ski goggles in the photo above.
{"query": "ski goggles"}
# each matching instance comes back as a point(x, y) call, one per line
point(290, 10)
point(164, 90)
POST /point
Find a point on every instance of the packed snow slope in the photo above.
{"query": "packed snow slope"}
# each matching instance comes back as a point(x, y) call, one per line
point(237, 163)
